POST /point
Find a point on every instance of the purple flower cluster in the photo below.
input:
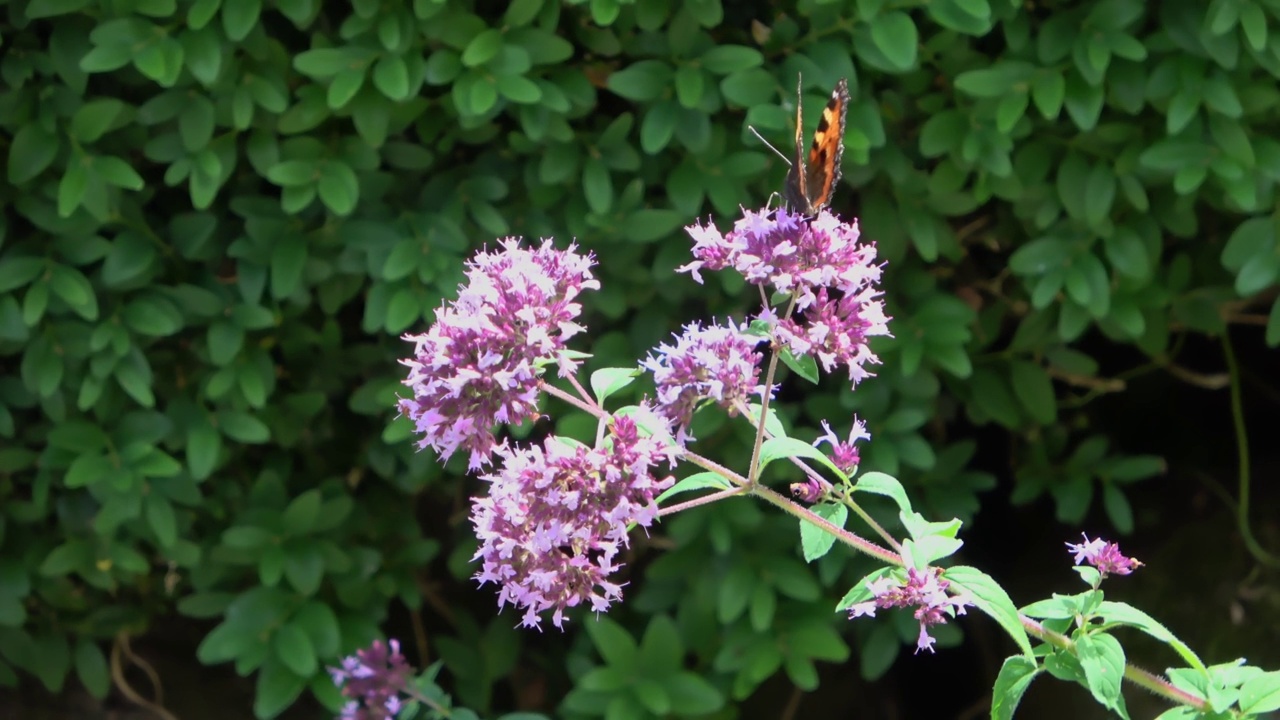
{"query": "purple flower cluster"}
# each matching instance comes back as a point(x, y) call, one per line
point(926, 591)
point(845, 453)
point(717, 363)
point(556, 517)
point(373, 678)
point(480, 363)
point(1104, 556)
point(820, 262)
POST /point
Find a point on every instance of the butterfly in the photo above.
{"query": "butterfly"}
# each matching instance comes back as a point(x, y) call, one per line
point(810, 183)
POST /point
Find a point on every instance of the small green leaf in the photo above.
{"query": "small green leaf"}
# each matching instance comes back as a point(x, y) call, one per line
point(391, 77)
point(278, 687)
point(161, 518)
point(239, 17)
point(482, 48)
point(728, 59)
point(91, 668)
point(338, 186)
point(304, 568)
point(698, 481)
point(300, 515)
point(816, 541)
point(293, 648)
point(117, 172)
point(607, 381)
point(894, 34)
point(643, 81)
point(1016, 675)
point(597, 186)
point(886, 485)
point(991, 599)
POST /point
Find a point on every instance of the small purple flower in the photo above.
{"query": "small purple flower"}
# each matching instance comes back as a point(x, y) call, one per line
point(481, 362)
point(717, 363)
point(926, 591)
point(373, 678)
point(821, 262)
point(556, 517)
point(845, 454)
point(1104, 556)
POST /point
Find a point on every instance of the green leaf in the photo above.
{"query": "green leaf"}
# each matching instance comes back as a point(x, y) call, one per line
point(31, 151)
point(879, 483)
point(161, 518)
point(1047, 91)
point(777, 448)
point(38, 9)
point(293, 648)
point(597, 186)
point(1034, 390)
point(482, 48)
point(70, 556)
point(689, 86)
point(643, 81)
point(698, 481)
point(805, 366)
point(321, 626)
point(607, 381)
point(1260, 694)
point(304, 568)
point(288, 260)
point(91, 668)
point(1016, 675)
point(894, 34)
point(391, 78)
point(75, 290)
point(299, 517)
point(816, 541)
point(991, 599)
point(692, 694)
point(117, 172)
point(728, 59)
point(1103, 662)
point(613, 643)
point(338, 187)
point(239, 17)
point(93, 119)
point(72, 186)
point(277, 689)
point(243, 427)
point(519, 89)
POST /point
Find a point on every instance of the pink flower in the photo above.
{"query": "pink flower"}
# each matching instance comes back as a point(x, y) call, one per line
point(845, 454)
point(373, 678)
point(1103, 555)
point(822, 264)
point(481, 363)
point(556, 517)
point(716, 363)
point(926, 591)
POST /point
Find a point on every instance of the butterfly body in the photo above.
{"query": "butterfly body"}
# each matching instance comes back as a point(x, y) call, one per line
point(813, 177)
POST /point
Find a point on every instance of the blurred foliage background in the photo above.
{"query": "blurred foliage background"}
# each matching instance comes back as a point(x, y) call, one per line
point(219, 216)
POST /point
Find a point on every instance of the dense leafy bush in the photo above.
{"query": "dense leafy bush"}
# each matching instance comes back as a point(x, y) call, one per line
point(219, 216)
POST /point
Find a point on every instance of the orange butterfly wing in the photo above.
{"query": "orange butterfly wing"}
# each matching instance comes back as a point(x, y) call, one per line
point(810, 183)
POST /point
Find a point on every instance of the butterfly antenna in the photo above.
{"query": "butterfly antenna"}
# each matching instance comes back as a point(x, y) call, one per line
point(785, 159)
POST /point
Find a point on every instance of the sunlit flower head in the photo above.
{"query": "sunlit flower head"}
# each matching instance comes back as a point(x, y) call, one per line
point(831, 276)
point(926, 591)
point(844, 453)
point(481, 362)
point(1104, 556)
point(556, 516)
point(716, 363)
point(373, 678)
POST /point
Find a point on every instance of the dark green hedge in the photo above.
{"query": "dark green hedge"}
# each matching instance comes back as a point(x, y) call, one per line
point(219, 215)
